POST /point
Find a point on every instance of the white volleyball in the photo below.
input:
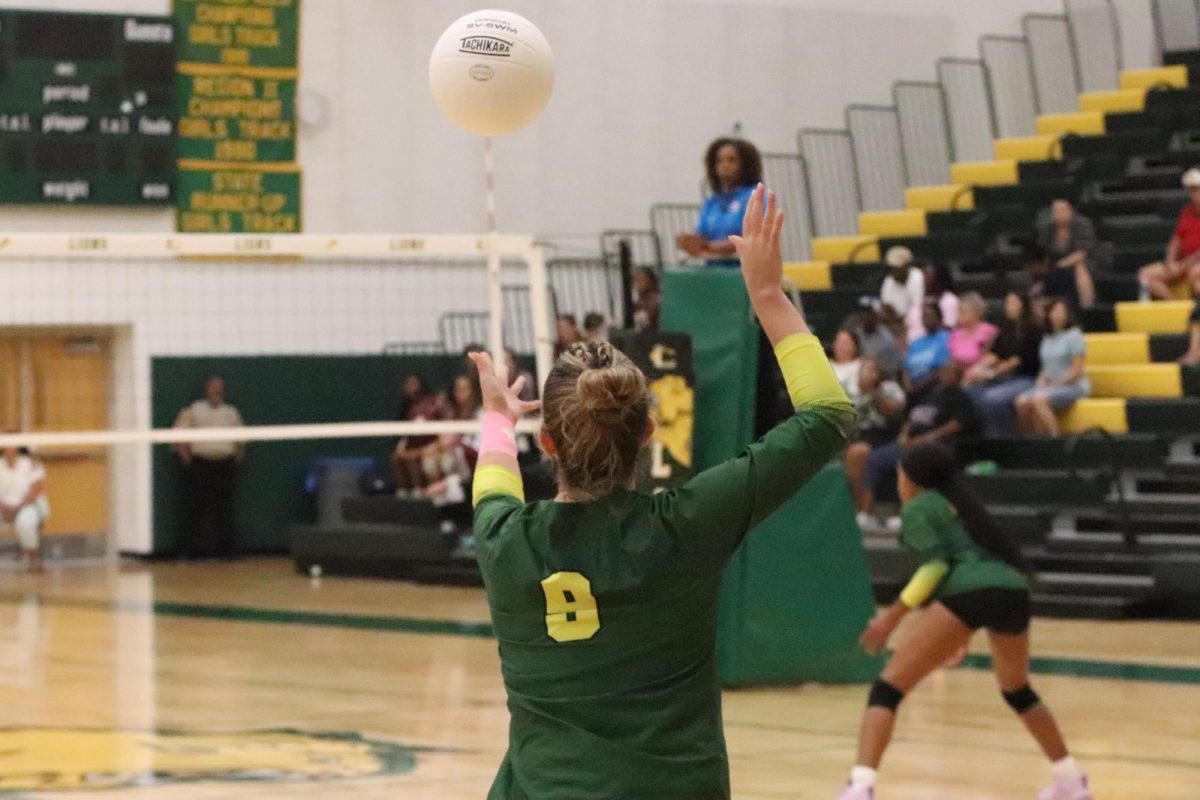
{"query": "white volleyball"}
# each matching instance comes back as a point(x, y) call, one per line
point(491, 72)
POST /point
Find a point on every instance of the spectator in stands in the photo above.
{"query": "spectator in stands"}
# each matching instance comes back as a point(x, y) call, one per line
point(1063, 380)
point(875, 339)
point(928, 353)
point(973, 335)
point(210, 474)
point(567, 330)
point(903, 290)
point(1179, 273)
point(449, 462)
point(942, 415)
point(530, 390)
point(1009, 369)
point(1068, 240)
point(23, 503)
point(846, 361)
point(940, 288)
point(733, 168)
point(417, 404)
point(595, 327)
point(879, 403)
point(648, 300)
point(1192, 357)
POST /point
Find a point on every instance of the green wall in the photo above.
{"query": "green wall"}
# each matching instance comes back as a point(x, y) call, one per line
point(280, 390)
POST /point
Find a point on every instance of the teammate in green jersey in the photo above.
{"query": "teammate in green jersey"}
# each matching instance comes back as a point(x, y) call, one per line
point(605, 600)
point(973, 575)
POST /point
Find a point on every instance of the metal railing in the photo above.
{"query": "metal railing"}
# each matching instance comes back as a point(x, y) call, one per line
point(1116, 475)
point(924, 131)
point(878, 156)
point(785, 174)
point(1096, 34)
point(969, 105)
point(583, 286)
point(1176, 25)
point(833, 183)
point(1014, 93)
point(1053, 62)
point(668, 220)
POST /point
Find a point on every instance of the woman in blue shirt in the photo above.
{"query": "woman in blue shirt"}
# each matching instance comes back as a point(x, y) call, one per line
point(928, 353)
point(734, 168)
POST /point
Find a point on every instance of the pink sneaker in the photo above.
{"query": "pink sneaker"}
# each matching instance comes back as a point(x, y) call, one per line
point(1067, 789)
point(857, 794)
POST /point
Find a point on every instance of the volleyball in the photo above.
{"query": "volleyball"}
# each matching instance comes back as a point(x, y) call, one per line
point(491, 72)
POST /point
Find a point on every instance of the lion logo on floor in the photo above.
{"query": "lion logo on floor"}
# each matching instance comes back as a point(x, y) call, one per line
point(66, 759)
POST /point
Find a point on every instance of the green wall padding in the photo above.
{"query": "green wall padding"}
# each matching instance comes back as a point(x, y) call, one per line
point(280, 390)
point(712, 307)
point(798, 593)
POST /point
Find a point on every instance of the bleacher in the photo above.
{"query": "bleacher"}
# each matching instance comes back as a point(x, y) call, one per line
point(1108, 513)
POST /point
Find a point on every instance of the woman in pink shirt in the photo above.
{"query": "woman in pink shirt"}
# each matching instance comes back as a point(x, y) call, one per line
point(972, 336)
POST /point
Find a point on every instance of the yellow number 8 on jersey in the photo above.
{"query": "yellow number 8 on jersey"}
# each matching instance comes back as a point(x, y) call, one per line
point(571, 613)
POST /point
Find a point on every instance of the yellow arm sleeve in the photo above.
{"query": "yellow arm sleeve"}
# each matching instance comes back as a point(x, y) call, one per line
point(493, 479)
point(810, 377)
point(923, 583)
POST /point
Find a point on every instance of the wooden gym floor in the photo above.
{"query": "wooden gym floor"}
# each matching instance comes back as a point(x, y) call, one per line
point(209, 675)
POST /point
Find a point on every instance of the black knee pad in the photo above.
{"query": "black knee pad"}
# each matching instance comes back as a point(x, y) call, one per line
point(1022, 699)
point(884, 695)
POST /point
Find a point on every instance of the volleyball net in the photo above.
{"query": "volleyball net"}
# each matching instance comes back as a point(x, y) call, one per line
point(320, 341)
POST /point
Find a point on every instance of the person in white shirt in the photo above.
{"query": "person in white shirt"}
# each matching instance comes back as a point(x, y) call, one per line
point(211, 475)
point(23, 503)
point(903, 290)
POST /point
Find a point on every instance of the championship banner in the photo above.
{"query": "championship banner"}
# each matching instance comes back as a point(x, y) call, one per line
point(666, 361)
point(236, 86)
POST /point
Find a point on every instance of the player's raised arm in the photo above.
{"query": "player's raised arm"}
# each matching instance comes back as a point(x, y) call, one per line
point(497, 471)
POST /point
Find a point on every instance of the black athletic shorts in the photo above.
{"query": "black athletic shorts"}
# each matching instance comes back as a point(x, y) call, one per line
point(999, 610)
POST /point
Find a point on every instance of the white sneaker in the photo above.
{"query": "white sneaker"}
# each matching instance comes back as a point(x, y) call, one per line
point(866, 521)
point(894, 524)
point(1067, 789)
point(857, 794)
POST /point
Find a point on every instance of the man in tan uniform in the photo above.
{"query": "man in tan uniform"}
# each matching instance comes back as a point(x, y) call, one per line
point(211, 475)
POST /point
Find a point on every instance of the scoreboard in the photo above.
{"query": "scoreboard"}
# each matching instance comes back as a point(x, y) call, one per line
point(87, 108)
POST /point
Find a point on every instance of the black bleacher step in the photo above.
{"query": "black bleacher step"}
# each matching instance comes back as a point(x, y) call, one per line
point(1118, 121)
point(1132, 203)
point(1094, 584)
point(1168, 346)
point(1132, 231)
point(1063, 452)
point(1100, 318)
point(919, 245)
point(1036, 195)
point(1169, 485)
point(1153, 181)
point(1110, 542)
point(1048, 488)
point(1116, 288)
point(1048, 170)
point(1149, 506)
point(1117, 145)
point(1191, 381)
point(1049, 604)
point(942, 221)
point(1129, 259)
point(836, 303)
point(1185, 57)
point(1171, 98)
point(1165, 415)
point(1026, 525)
point(1158, 520)
point(987, 284)
point(858, 276)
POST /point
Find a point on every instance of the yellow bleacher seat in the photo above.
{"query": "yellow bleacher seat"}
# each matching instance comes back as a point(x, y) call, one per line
point(910, 222)
point(1175, 76)
point(1028, 148)
point(984, 173)
point(1108, 414)
point(1118, 348)
point(949, 197)
point(845, 249)
point(1136, 380)
point(809, 276)
point(1159, 317)
point(1117, 100)
point(1083, 123)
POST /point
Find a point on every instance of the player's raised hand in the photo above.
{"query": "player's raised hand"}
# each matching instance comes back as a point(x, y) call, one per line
point(497, 395)
point(758, 246)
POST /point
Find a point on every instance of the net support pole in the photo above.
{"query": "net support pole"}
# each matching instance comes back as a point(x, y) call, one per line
point(539, 300)
point(495, 290)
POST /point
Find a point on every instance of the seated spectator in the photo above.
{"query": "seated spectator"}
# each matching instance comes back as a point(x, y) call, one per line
point(1063, 380)
point(733, 168)
point(417, 404)
point(530, 390)
point(449, 462)
point(903, 290)
point(648, 300)
point(1009, 369)
point(973, 335)
point(566, 333)
point(1179, 273)
point(1068, 239)
point(944, 415)
point(875, 339)
point(928, 353)
point(595, 327)
point(1192, 357)
point(879, 403)
point(23, 504)
point(940, 288)
point(846, 361)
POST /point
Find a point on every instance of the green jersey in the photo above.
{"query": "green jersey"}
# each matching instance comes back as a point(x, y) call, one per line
point(932, 529)
point(606, 614)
